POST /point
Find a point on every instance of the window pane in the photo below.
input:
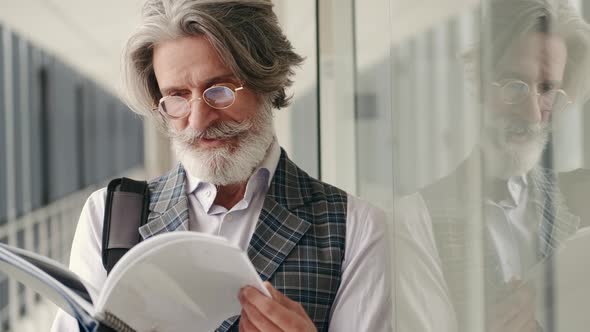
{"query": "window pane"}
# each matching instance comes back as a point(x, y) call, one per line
point(3, 164)
point(489, 191)
point(17, 128)
point(298, 124)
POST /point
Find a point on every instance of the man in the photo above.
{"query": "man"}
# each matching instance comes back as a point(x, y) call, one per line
point(209, 73)
point(506, 194)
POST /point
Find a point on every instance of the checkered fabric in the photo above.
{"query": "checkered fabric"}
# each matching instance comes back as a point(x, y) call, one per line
point(168, 204)
point(454, 211)
point(297, 245)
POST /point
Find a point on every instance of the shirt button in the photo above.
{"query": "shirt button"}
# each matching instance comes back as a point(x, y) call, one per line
point(208, 193)
point(229, 217)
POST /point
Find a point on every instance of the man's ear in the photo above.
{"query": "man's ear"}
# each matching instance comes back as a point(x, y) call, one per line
point(471, 59)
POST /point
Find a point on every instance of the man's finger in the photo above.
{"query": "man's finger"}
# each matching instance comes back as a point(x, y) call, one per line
point(245, 323)
point(258, 319)
point(525, 320)
point(271, 309)
point(516, 312)
point(531, 326)
point(283, 299)
point(521, 299)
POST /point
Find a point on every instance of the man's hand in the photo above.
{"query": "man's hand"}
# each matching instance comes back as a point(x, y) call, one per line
point(260, 313)
point(515, 312)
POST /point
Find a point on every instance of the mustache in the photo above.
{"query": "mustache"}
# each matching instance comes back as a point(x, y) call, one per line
point(220, 130)
point(525, 129)
point(511, 124)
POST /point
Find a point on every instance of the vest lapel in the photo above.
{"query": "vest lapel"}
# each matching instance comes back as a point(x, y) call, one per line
point(168, 205)
point(278, 229)
point(556, 222)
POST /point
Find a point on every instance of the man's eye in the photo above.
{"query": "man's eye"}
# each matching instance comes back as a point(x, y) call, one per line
point(544, 87)
point(182, 94)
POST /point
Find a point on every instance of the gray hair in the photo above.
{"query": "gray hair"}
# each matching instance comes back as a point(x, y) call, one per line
point(506, 22)
point(245, 33)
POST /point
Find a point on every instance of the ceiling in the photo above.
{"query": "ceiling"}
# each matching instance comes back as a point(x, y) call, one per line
point(89, 35)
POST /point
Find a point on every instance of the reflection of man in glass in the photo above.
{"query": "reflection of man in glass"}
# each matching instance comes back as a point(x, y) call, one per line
point(529, 67)
point(525, 91)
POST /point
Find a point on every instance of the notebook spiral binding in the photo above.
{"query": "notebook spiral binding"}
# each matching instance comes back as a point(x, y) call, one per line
point(115, 323)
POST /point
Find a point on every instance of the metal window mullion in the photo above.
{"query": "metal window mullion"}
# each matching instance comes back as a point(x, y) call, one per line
point(568, 130)
point(336, 81)
point(10, 168)
point(9, 119)
point(466, 38)
point(27, 225)
point(25, 125)
point(475, 277)
point(55, 236)
point(61, 230)
point(405, 118)
point(440, 112)
point(421, 89)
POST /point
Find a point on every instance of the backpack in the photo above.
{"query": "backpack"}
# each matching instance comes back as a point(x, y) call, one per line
point(126, 209)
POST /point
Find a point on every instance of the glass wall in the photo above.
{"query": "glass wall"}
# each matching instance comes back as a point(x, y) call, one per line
point(298, 124)
point(466, 121)
point(489, 180)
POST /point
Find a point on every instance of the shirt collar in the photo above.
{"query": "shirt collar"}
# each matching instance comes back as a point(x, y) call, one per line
point(516, 186)
point(508, 193)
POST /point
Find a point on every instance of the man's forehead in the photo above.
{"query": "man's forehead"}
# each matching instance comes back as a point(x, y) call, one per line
point(166, 86)
point(203, 78)
point(536, 56)
point(189, 60)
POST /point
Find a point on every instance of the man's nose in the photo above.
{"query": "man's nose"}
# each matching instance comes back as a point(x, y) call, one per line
point(529, 110)
point(201, 115)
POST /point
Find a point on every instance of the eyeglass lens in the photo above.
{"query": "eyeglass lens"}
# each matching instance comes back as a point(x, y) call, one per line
point(175, 106)
point(552, 100)
point(515, 92)
point(218, 97)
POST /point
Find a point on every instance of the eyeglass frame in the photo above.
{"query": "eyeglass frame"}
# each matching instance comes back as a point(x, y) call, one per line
point(502, 86)
point(233, 88)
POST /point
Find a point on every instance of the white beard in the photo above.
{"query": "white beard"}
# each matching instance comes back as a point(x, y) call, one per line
point(226, 164)
point(505, 157)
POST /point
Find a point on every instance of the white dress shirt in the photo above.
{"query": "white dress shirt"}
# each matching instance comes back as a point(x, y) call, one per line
point(423, 301)
point(513, 234)
point(422, 296)
point(363, 301)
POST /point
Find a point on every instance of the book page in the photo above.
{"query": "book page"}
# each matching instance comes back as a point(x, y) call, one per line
point(572, 279)
point(59, 272)
point(29, 269)
point(178, 281)
point(570, 271)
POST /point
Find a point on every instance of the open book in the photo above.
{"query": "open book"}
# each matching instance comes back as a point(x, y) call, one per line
point(179, 281)
point(566, 277)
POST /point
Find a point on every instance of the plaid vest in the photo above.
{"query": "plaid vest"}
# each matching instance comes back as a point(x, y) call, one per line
point(455, 209)
point(298, 242)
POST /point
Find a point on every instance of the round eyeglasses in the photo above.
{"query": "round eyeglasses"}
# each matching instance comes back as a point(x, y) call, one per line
point(218, 96)
point(514, 92)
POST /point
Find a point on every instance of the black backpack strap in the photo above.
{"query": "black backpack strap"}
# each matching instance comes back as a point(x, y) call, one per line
point(126, 209)
point(104, 328)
